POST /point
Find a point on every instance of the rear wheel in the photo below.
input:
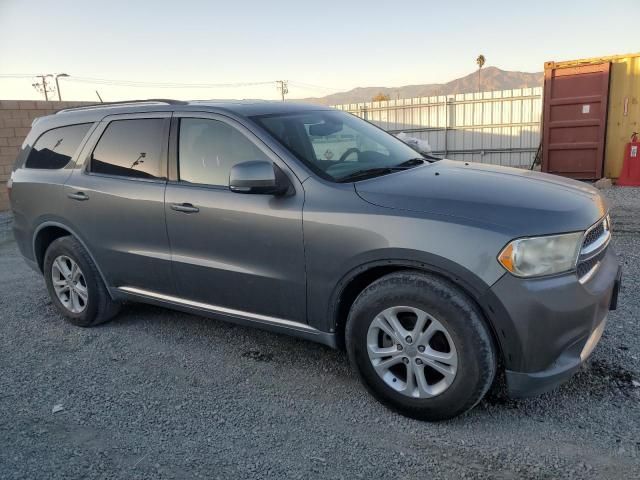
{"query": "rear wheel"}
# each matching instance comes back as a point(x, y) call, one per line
point(420, 346)
point(74, 284)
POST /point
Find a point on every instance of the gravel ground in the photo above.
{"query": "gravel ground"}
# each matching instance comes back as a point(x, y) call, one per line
point(160, 394)
point(5, 225)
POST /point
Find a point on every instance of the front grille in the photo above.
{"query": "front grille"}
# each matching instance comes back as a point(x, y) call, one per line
point(594, 249)
point(585, 266)
point(593, 234)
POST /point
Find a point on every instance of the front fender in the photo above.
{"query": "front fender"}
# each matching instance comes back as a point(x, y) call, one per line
point(395, 258)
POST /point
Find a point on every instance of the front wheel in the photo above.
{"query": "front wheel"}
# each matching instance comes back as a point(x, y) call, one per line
point(420, 346)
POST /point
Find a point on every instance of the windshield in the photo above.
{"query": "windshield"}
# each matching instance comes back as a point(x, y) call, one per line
point(337, 145)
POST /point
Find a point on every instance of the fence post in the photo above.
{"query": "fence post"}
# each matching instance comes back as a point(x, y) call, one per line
point(447, 119)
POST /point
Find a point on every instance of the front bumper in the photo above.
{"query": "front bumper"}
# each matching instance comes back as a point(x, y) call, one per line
point(547, 327)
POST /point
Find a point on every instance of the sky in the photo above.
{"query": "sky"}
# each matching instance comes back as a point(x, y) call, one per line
point(320, 47)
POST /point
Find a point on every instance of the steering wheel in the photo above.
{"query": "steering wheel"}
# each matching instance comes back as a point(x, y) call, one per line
point(348, 152)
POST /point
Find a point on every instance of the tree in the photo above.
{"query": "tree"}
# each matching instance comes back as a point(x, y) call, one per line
point(480, 61)
point(381, 97)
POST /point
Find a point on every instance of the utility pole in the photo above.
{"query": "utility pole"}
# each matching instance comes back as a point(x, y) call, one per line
point(42, 86)
point(58, 85)
point(283, 87)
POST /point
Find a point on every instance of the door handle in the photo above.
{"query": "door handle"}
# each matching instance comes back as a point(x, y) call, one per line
point(184, 207)
point(81, 196)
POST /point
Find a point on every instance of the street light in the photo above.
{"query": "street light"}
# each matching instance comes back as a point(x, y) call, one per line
point(58, 85)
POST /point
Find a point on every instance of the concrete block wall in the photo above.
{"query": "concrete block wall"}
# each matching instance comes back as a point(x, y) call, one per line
point(16, 117)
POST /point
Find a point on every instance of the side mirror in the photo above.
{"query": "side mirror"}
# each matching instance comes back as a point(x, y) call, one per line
point(258, 177)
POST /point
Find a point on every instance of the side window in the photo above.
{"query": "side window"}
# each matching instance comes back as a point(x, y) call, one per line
point(131, 148)
point(209, 148)
point(54, 149)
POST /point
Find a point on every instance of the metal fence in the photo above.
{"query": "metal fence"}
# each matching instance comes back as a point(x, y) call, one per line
point(500, 127)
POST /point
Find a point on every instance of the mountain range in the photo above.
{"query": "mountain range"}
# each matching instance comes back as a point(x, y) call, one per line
point(492, 78)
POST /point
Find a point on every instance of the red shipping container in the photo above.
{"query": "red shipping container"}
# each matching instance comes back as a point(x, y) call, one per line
point(575, 119)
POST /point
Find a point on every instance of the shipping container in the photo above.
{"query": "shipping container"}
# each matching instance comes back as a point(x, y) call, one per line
point(574, 119)
point(590, 109)
point(624, 111)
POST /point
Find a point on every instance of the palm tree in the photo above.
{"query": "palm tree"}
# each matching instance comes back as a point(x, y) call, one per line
point(480, 61)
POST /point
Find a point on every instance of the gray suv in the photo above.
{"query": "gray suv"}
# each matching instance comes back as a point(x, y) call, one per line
point(434, 275)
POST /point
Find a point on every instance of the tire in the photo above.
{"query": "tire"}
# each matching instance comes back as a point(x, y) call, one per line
point(98, 307)
point(454, 329)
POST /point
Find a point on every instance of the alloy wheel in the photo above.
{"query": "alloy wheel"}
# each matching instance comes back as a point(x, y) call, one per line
point(69, 284)
point(412, 352)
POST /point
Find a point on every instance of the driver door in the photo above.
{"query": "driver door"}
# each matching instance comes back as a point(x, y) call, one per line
point(233, 252)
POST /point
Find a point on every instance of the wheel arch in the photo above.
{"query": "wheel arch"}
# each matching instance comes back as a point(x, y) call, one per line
point(49, 231)
point(358, 278)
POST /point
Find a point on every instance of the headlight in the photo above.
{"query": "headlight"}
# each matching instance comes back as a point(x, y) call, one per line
point(535, 256)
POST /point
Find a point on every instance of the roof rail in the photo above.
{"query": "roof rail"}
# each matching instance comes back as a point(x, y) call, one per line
point(167, 101)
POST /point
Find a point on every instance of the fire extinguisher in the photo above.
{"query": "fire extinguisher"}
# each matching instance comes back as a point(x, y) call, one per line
point(630, 174)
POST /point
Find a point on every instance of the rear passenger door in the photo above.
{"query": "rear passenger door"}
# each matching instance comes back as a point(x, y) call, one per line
point(233, 252)
point(115, 198)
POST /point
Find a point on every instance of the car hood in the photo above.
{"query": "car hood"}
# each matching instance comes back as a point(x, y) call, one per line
point(521, 201)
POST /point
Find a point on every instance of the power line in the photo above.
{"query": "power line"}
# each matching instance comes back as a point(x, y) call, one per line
point(18, 75)
point(316, 87)
point(136, 83)
point(281, 85)
point(142, 83)
point(40, 82)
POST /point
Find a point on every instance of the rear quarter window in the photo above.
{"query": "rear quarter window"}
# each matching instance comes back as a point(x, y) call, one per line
point(55, 148)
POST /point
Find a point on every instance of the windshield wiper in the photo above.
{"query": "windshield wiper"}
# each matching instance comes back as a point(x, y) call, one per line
point(374, 172)
point(368, 172)
point(412, 162)
point(420, 160)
